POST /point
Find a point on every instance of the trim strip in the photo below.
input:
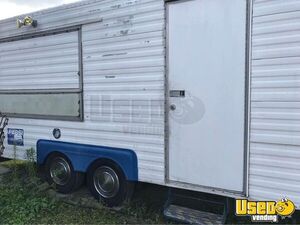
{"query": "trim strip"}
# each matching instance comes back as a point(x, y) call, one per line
point(248, 96)
point(41, 91)
point(40, 34)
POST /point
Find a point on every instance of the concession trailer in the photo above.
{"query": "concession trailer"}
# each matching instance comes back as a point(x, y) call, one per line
point(202, 96)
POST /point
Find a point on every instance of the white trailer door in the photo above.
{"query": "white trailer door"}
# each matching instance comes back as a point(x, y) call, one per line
point(206, 60)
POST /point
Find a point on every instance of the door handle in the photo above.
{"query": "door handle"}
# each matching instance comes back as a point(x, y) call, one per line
point(177, 93)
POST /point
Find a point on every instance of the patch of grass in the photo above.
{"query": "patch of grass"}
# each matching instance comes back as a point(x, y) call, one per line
point(31, 167)
point(23, 202)
point(20, 206)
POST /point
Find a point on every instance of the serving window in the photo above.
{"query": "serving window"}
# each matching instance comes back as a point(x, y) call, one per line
point(40, 77)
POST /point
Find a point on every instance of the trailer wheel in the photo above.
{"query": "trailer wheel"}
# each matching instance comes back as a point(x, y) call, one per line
point(60, 172)
point(107, 182)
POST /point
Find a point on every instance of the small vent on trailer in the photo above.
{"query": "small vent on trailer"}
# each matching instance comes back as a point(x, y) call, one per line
point(3, 124)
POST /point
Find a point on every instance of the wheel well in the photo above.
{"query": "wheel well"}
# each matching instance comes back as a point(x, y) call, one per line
point(56, 153)
point(106, 161)
point(83, 156)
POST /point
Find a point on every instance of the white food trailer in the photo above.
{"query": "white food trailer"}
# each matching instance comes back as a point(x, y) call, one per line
point(200, 95)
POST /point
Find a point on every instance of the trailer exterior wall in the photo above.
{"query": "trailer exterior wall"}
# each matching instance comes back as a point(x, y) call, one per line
point(123, 80)
point(275, 101)
point(124, 58)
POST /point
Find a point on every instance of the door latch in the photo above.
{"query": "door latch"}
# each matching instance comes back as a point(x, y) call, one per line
point(177, 93)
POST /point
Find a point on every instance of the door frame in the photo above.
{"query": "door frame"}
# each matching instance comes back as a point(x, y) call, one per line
point(247, 109)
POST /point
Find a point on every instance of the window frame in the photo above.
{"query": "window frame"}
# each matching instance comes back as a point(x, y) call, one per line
point(78, 90)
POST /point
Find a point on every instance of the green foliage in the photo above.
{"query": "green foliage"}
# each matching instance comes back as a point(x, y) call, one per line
point(20, 205)
point(24, 200)
point(31, 167)
point(14, 164)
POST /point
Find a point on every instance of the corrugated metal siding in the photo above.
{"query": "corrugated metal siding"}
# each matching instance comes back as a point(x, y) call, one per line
point(124, 70)
point(275, 101)
point(79, 13)
point(49, 62)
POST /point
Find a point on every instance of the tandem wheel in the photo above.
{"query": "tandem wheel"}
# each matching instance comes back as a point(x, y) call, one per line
point(60, 172)
point(107, 182)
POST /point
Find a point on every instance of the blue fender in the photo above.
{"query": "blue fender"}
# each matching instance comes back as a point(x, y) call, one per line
point(82, 156)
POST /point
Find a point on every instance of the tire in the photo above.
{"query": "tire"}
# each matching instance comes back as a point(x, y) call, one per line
point(60, 172)
point(107, 183)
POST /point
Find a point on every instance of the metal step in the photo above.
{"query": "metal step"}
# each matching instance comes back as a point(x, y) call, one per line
point(191, 216)
point(192, 207)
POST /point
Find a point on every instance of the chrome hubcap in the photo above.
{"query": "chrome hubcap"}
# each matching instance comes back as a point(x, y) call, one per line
point(106, 182)
point(60, 171)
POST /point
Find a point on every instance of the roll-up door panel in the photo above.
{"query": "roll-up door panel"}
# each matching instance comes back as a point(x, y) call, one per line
point(47, 62)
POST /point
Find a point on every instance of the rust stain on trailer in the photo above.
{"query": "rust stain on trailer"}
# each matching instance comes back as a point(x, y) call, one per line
point(132, 2)
point(95, 10)
point(110, 76)
point(129, 3)
point(116, 6)
point(115, 54)
point(124, 32)
point(127, 20)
